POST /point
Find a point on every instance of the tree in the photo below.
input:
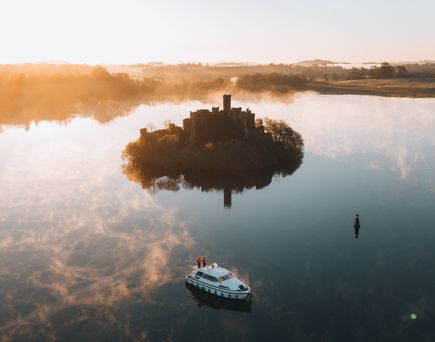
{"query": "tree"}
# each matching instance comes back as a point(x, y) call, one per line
point(386, 70)
point(100, 73)
point(402, 72)
point(356, 73)
point(281, 132)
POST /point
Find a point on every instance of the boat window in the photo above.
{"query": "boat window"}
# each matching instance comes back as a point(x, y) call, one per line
point(226, 277)
point(199, 273)
point(241, 287)
point(209, 277)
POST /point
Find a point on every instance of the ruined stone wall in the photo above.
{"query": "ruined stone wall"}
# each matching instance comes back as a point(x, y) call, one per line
point(216, 128)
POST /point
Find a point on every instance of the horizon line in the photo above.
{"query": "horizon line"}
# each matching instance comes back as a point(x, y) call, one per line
point(205, 63)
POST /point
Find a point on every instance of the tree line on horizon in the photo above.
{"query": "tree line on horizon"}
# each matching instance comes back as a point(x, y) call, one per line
point(54, 94)
point(384, 71)
point(46, 92)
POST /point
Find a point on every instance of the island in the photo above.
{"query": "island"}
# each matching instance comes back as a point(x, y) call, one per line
point(224, 149)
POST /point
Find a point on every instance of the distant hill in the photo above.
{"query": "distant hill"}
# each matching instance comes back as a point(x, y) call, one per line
point(235, 64)
point(422, 62)
point(318, 62)
point(54, 62)
point(414, 62)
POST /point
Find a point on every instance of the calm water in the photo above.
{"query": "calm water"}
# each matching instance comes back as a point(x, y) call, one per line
point(86, 254)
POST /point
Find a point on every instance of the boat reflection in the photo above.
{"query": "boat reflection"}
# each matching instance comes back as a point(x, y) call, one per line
point(205, 299)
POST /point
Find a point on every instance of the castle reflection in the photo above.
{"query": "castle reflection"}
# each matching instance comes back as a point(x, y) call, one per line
point(229, 182)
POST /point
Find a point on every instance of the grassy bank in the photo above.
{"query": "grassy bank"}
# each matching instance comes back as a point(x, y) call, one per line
point(407, 87)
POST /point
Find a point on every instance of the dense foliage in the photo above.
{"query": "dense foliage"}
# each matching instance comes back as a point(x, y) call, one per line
point(385, 70)
point(164, 154)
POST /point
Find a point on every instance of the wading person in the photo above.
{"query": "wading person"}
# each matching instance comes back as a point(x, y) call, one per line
point(356, 226)
point(204, 261)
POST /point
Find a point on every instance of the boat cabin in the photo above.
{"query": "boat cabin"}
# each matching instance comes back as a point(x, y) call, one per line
point(218, 277)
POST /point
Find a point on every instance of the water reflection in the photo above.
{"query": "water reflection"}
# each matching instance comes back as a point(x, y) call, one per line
point(23, 112)
point(380, 134)
point(86, 253)
point(205, 299)
point(101, 110)
point(228, 182)
point(72, 263)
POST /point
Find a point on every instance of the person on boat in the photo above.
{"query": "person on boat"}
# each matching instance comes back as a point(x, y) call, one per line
point(198, 261)
point(356, 226)
point(204, 261)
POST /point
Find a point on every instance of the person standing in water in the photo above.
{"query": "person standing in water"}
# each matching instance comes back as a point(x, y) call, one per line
point(356, 226)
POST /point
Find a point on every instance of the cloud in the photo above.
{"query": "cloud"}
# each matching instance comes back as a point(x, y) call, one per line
point(62, 250)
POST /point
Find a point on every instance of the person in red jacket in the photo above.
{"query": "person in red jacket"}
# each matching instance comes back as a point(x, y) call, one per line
point(198, 261)
point(204, 261)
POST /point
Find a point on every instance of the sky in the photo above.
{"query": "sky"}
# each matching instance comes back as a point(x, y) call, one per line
point(272, 31)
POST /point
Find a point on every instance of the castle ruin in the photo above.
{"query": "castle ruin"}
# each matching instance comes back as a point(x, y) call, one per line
point(216, 125)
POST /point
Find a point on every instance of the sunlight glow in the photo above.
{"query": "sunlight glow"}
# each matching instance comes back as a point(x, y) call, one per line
point(134, 31)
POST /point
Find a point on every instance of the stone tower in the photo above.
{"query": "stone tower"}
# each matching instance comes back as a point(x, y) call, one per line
point(227, 103)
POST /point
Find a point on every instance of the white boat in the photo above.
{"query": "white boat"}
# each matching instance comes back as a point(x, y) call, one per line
point(218, 281)
point(217, 302)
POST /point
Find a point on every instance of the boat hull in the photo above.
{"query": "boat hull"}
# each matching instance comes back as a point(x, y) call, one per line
point(216, 302)
point(219, 292)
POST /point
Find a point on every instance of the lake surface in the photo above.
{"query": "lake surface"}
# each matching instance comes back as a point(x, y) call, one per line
point(86, 254)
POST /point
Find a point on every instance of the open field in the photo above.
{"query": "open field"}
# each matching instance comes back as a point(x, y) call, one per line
point(408, 87)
